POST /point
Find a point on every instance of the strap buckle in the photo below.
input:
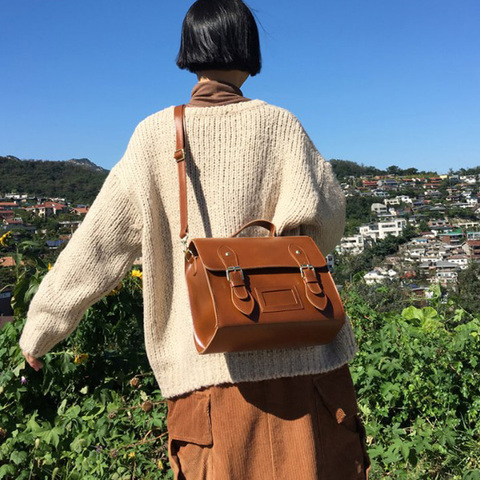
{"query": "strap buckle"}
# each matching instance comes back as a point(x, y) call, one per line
point(307, 265)
point(182, 150)
point(234, 269)
point(187, 252)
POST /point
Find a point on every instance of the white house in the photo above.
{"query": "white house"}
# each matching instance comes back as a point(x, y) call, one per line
point(379, 208)
point(379, 275)
point(460, 260)
point(473, 235)
point(353, 245)
point(398, 200)
point(381, 230)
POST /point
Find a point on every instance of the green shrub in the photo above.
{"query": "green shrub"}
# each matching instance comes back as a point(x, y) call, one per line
point(94, 410)
point(418, 385)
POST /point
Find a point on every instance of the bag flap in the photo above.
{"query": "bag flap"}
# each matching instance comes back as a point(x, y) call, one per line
point(257, 252)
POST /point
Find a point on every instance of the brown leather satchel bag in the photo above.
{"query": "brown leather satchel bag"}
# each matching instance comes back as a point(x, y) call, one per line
point(255, 293)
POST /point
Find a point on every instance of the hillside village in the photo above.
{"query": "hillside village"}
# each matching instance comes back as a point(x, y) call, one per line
point(444, 211)
point(12, 204)
point(441, 213)
point(24, 216)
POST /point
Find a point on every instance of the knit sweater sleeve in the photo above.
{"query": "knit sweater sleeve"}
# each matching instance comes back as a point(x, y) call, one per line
point(96, 258)
point(311, 200)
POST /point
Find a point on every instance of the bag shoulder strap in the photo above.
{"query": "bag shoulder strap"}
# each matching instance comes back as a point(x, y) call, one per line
point(179, 155)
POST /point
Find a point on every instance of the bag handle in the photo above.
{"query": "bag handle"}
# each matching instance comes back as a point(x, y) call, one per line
point(261, 223)
point(179, 155)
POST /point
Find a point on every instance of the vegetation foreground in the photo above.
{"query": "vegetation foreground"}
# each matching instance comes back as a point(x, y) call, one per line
point(95, 412)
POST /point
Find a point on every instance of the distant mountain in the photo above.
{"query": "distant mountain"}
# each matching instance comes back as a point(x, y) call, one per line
point(77, 180)
point(86, 163)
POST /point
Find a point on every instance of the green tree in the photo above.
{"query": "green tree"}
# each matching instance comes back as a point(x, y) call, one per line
point(468, 288)
point(394, 170)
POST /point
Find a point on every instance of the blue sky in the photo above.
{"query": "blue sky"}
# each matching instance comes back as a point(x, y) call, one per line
point(379, 82)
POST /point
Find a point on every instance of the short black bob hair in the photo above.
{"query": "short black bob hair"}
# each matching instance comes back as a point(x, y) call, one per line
point(220, 35)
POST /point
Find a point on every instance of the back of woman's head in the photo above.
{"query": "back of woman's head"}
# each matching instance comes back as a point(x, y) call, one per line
point(220, 35)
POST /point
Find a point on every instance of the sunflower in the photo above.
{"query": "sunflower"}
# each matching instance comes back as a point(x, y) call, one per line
point(137, 273)
point(3, 238)
point(81, 358)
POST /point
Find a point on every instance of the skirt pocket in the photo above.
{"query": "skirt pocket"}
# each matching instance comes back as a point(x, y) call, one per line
point(190, 437)
point(342, 433)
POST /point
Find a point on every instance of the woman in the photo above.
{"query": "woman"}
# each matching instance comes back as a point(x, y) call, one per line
point(266, 414)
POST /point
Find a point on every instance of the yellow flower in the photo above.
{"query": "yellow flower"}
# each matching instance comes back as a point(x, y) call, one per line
point(81, 358)
point(131, 454)
point(3, 238)
point(49, 266)
point(116, 289)
point(137, 273)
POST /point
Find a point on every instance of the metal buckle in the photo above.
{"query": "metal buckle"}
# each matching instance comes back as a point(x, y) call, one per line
point(183, 155)
point(184, 241)
point(308, 265)
point(234, 269)
point(186, 250)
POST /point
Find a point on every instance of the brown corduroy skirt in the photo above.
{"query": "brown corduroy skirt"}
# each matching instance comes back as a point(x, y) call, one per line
point(304, 427)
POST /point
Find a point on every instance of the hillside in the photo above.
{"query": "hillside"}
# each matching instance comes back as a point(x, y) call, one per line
point(77, 180)
point(345, 168)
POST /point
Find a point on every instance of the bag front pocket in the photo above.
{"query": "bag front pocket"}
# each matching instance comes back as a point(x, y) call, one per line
point(342, 434)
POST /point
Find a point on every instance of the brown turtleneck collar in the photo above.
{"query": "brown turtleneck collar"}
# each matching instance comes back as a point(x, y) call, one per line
point(213, 92)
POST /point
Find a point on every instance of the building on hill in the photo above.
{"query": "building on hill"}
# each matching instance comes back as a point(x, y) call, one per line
point(9, 205)
point(379, 275)
point(6, 214)
point(54, 244)
point(16, 196)
point(7, 262)
point(441, 271)
point(369, 184)
point(353, 245)
point(388, 184)
point(472, 249)
point(440, 222)
point(471, 200)
point(460, 260)
point(14, 223)
point(468, 179)
point(379, 209)
point(399, 199)
point(79, 210)
point(47, 209)
point(473, 235)
point(71, 224)
point(381, 230)
point(455, 237)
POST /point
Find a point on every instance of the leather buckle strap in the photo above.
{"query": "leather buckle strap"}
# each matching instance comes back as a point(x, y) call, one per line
point(235, 268)
point(313, 288)
point(309, 266)
point(180, 157)
point(241, 297)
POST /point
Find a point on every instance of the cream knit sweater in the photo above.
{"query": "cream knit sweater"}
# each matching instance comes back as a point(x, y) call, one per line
point(244, 161)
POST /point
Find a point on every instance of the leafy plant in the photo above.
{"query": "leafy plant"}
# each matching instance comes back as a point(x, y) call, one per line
point(418, 387)
point(94, 410)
